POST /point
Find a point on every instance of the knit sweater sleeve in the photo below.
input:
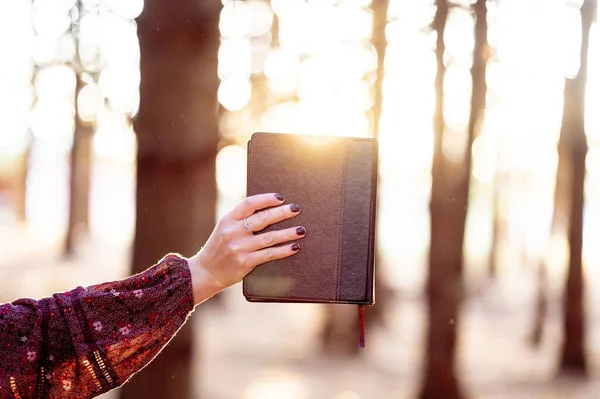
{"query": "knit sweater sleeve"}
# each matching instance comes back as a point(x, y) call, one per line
point(87, 341)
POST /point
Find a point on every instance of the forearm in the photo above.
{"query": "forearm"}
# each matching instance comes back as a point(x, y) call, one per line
point(204, 283)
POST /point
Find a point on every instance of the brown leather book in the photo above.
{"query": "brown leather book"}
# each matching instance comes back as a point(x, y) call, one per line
point(334, 179)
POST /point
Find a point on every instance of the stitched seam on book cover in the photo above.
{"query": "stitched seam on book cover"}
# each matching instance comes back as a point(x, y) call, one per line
point(373, 221)
point(249, 167)
point(356, 256)
point(341, 221)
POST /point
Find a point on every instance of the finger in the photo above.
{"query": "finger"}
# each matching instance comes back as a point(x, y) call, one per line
point(272, 253)
point(263, 219)
point(266, 240)
point(253, 203)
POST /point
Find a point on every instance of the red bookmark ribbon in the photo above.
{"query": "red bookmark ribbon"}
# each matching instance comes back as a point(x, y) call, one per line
point(361, 326)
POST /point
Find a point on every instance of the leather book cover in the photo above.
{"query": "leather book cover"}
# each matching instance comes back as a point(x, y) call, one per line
point(334, 180)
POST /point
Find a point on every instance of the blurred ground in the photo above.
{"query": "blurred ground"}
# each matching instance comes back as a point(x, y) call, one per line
point(268, 351)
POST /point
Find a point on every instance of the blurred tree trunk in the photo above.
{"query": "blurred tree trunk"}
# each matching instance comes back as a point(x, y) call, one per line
point(385, 293)
point(444, 283)
point(449, 202)
point(275, 30)
point(21, 183)
point(573, 357)
point(79, 184)
point(178, 132)
point(541, 306)
point(340, 329)
point(497, 225)
point(560, 217)
point(378, 39)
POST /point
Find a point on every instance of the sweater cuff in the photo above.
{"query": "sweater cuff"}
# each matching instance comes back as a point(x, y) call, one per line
point(119, 327)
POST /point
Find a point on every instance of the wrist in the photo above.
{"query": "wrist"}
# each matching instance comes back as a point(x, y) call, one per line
point(204, 282)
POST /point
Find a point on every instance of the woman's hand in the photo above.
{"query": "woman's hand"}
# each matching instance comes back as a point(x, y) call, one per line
point(235, 248)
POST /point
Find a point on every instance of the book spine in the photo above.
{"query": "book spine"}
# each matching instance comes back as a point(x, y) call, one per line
point(355, 277)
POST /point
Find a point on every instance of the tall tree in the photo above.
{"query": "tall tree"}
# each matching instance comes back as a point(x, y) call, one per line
point(177, 131)
point(481, 56)
point(385, 293)
point(444, 283)
point(81, 159)
point(560, 217)
point(497, 224)
point(573, 357)
point(541, 306)
point(21, 185)
point(379, 41)
point(81, 163)
point(449, 203)
point(339, 333)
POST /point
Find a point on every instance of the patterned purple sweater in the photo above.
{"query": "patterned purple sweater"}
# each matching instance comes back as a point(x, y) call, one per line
point(85, 342)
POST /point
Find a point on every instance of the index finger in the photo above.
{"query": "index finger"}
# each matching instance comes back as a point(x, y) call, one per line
point(254, 203)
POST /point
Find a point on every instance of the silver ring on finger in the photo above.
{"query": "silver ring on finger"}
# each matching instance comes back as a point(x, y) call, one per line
point(247, 226)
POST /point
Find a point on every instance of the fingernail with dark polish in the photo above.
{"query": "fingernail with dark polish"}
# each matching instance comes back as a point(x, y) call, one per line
point(295, 208)
point(300, 231)
point(295, 247)
point(280, 197)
